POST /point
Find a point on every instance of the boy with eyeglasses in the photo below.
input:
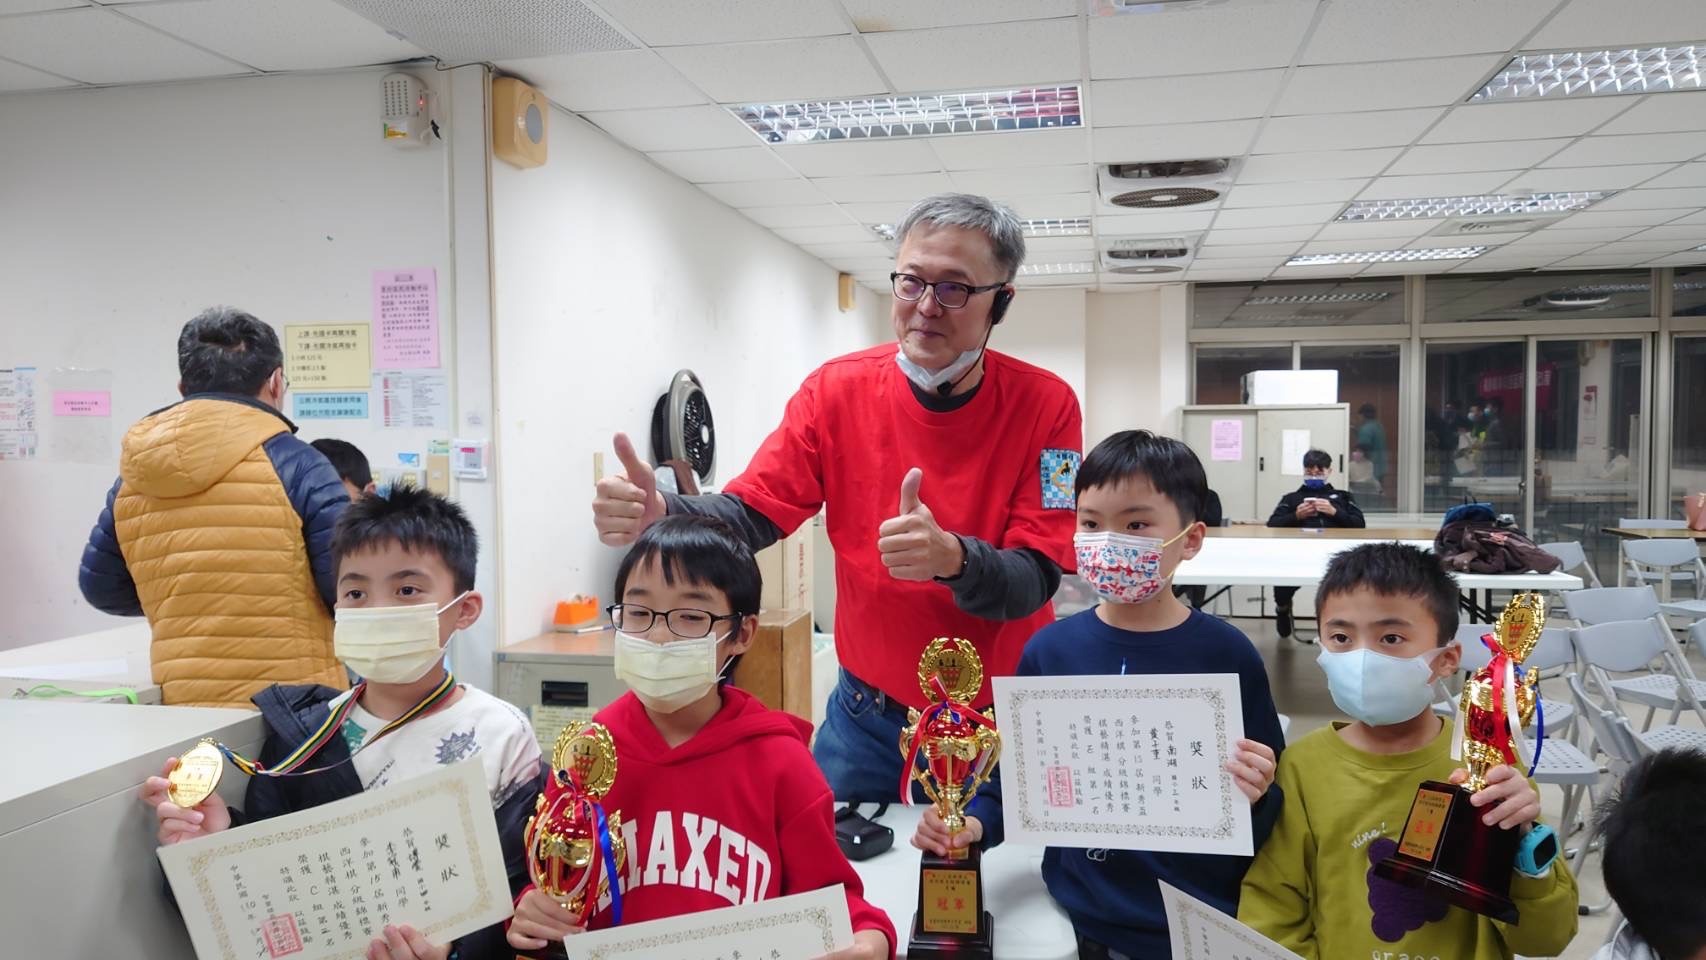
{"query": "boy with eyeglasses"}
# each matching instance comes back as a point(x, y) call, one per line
point(720, 801)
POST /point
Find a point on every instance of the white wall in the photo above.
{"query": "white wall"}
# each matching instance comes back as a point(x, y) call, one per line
point(126, 211)
point(1045, 327)
point(1135, 361)
point(609, 275)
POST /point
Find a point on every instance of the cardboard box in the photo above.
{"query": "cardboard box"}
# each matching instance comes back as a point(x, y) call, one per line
point(778, 667)
point(786, 567)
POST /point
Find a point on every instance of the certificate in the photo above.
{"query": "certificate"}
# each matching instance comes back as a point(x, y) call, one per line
point(1123, 762)
point(800, 927)
point(322, 882)
point(1200, 932)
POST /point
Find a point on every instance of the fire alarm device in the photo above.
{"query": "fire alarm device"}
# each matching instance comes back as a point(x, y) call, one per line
point(407, 110)
point(520, 123)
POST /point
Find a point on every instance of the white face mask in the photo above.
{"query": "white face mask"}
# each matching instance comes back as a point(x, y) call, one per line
point(1379, 689)
point(929, 380)
point(390, 644)
point(668, 676)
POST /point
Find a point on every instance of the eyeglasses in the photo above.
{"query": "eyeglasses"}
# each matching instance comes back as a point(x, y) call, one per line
point(685, 622)
point(948, 293)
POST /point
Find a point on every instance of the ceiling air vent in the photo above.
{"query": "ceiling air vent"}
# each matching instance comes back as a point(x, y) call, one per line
point(1140, 256)
point(1165, 184)
point(1471, 226)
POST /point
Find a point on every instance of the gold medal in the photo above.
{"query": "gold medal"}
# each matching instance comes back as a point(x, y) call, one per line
point(955, 660)
point(587, 750)
point(196, 776)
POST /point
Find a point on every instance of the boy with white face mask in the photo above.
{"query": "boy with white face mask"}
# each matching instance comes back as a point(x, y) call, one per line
point(1140, 499)
point(1389, 615)
point(721, 803)
point(405, 565)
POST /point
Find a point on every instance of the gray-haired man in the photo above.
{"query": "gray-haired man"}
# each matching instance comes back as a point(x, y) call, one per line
point(947, 471)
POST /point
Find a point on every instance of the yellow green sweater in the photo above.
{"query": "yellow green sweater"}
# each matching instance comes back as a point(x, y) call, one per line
point(1312, 889)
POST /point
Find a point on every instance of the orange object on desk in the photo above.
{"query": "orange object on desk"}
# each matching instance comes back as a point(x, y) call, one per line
point(575, 611)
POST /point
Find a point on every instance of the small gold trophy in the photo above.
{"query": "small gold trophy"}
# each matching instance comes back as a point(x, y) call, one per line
point(1445, 847)
point(574, 852)
point(959, 747)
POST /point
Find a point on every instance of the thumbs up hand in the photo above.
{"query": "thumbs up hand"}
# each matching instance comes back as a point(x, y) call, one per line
point(912, 545)
point(625, 505)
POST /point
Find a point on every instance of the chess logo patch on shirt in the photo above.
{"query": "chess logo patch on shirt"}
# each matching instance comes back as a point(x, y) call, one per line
point(1060, 474)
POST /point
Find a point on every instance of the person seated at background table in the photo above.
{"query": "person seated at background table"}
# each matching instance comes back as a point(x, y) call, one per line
point(1315, 505)
point(1653, 857)
point(1139, 508)
point(1360, 472)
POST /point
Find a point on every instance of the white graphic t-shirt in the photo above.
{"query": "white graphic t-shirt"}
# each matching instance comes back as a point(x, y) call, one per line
point(477, 724)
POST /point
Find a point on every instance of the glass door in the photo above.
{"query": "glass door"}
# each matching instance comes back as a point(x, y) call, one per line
point(1473, 407)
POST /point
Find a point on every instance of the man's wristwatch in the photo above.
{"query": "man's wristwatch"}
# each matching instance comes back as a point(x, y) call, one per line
point(1536, 851)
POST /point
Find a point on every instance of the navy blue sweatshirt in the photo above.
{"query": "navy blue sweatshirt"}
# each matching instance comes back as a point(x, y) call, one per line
point(1112, 895)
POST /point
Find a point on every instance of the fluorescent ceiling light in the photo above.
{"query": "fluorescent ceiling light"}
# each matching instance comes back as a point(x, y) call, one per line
point(1386, 256)
point(1486, 205)
point(1364, 296)
point(884, 230)
point(923, 115)
point(1056, 269)
point(1591, 73)
point(1068, 227)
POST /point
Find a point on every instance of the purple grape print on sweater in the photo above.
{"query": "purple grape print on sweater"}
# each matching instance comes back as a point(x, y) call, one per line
point(1398, 909)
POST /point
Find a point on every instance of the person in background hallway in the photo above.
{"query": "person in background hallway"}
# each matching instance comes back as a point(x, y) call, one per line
point(1371, 436)
point(1496, 459)
point(1359, 473)
point(350, 463)
point(947, 470)
point(219, 528)
point(1314, 504)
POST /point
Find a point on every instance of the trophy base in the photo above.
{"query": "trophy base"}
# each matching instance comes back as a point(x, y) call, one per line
point(551, 951)
point(1447, 849)
point(951, 920)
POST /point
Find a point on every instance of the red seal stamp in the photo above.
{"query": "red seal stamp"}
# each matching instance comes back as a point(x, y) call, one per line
point(1060, 786)
point(280, 935)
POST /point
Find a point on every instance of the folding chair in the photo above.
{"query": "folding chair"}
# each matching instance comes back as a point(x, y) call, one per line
point(1622, 748)
point(1553, 650)
point(1573, 558)
point(1633, 646)
point(1669, 562)
point(1608, 604)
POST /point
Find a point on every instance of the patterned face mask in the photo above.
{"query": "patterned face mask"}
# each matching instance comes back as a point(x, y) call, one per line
point(1123, 568)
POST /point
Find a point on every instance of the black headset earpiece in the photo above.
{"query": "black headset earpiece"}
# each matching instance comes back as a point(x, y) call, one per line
point(998, 308)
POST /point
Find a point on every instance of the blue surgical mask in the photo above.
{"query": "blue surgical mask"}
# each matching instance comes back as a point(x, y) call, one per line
point(1378, 689)
point(1314, 483)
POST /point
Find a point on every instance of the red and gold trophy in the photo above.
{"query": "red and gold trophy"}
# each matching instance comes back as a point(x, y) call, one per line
point(575, 853)
point(959, 747)
point(1445, 847)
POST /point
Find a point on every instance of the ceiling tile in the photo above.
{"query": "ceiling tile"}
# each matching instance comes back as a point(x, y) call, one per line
point(857, 158)
point(1196, 272)
point(1327, 270)
point(1692, 218)
point(1058, 248)
point(807, 215)
point(906, 187)
point(1488, 239)
point(1328, 165)
point(1193, 99)
point(1586, 178)
point(1173, 141)
point(1597, 260)
point(1683, 232)
point(1383, 86)
point(1261, 235)
point(1658, 113)
point(1468, 157)
point(849, 251)
point(1319, 245)
point(1675, 198)
point(1590, 235)
point(617, 80)
point(1434, 185)
point(778, 70)
point(1345, 131)
point(1248, 263)
point(1365, 32)
point(765, 193)
point(1596, 24)
point(1152, 224)
point(979, 55)
point(877, 16)
point(273, 36)
point(1524, 120)
point(704, 127)
point(1689, 259)
point(1594, 151)
point(1198, 39)
point(95, 45)
point(1686, 175)
point(877, 267)
point(842, 233)
point(1242, 253)
point(715, 166)
point(36, 6)
point(1379, 232)
point(1027, 181)
point(1314, 213)
point(1028, 148)
point(1285, 194)
point(1638, 245)
point(1051, 207)
point(14, 77)
point(888, 211)
point(1615, 218)
point(725, 21)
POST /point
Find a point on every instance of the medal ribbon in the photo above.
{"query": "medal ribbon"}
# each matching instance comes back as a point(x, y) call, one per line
point(1508, 737)
point(943, 702)
point(608, 850)
point(291, 765)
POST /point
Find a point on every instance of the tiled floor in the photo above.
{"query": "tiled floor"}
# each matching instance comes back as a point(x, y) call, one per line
point(1300, 691)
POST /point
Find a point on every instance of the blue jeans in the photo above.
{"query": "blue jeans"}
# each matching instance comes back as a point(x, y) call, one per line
point(858, 746)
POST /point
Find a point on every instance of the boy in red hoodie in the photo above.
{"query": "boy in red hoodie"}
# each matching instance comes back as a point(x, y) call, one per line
point(721, 803)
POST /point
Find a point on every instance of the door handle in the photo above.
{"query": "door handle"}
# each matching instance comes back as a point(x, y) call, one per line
point(1261, 463)
point(1341, 463)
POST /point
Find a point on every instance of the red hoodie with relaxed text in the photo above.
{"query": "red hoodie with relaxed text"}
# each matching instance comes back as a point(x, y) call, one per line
point(736, 814)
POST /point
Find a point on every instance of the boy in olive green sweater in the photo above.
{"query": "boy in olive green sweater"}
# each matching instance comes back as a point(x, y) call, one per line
point(1388, 615)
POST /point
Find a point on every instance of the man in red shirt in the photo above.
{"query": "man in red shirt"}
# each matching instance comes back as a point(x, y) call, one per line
point(947, 472)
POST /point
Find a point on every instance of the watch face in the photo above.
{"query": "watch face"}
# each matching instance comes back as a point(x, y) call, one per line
point(1546, 849)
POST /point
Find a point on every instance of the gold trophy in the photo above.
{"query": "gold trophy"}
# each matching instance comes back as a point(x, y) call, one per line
point(1445, 847)
point(574, 851)
point(959, 747)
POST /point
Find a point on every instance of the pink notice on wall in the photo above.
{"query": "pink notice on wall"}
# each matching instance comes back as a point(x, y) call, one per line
point(82, 403)
point(1227, 439)
point(405, 319)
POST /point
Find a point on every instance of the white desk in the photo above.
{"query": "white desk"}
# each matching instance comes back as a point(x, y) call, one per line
point(81, 876)
point(117, 657)
point(1303, 562)
point(1029, 925)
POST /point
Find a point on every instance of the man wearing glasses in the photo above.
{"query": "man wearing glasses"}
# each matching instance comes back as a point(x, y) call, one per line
point(947, 473)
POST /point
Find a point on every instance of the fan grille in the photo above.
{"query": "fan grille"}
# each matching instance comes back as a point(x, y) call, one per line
point(698, 434)
point(1158, 198)
point(1146, 268)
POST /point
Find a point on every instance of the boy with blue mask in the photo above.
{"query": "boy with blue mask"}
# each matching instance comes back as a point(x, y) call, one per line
point(1313, 505)
point(1389, 613)
point(405, 586)
point(1140, 502)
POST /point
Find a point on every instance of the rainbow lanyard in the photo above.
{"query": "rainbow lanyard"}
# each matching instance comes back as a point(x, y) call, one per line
point(290, 765)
